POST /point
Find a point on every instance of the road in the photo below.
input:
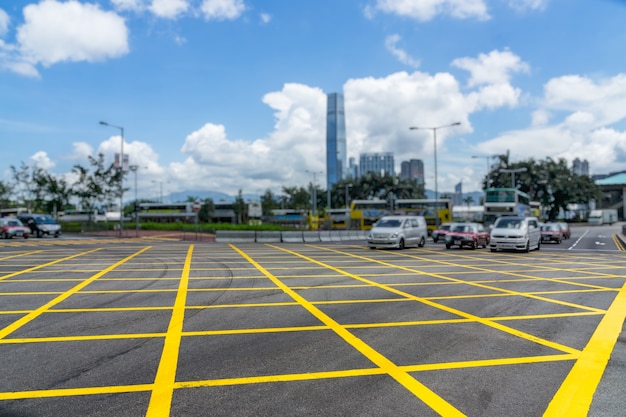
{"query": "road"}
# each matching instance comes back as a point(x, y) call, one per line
point(145, 327)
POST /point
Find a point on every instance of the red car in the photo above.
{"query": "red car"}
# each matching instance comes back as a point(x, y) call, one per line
point(12, 227)
point(467, 234)
point(551, 232)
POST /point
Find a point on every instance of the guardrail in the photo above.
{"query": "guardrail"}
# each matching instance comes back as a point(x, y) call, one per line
point(262, 236)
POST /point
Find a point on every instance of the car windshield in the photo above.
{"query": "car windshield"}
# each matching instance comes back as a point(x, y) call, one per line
point(463, 228)
point(509, 223)
point(11, 222)
point(389, 223)
point(550, 227)
point(44, 220)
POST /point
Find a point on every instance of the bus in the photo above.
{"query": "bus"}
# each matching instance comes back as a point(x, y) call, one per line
point(435, 211)
point(505, 202)
point(13, 212)
point(364, 213)
point(295, 218)
point(337, 219)
point(166, 213)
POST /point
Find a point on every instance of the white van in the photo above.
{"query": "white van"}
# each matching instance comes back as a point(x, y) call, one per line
point(398, 232)
point(515, 233)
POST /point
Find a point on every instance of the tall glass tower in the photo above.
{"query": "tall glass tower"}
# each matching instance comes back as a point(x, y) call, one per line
point(336, 153)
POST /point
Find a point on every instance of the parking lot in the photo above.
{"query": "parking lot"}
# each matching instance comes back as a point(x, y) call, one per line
point(108, 327)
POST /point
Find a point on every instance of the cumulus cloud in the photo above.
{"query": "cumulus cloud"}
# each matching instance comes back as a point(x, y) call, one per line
point(496, 67)
point(402, 56)
point(55, 32)
point(41, 160)
point(522, 5)
point(222, 9)
point(428, 10)
point(169, 9)
point(265, 17)
point(586, 107)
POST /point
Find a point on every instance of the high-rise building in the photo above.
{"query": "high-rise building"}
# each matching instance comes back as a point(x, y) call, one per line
point(353, 168)
point(580, 167)
point(412, 170)
point(336, 152)
point(379, 163)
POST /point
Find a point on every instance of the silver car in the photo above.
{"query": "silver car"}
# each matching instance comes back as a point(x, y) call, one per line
point(398, 232)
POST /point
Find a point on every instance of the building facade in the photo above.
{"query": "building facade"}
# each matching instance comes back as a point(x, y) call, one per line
point(336, 151)
point(412, 170)
point(580, 167)
point(380, 163)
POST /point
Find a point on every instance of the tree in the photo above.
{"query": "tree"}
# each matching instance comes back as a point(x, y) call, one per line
point(269, 202)
point(100, 186)
point(239, 207)
point(206, 210)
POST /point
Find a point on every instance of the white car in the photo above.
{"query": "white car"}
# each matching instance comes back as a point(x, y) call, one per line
point(515, 233)
point(398, 232)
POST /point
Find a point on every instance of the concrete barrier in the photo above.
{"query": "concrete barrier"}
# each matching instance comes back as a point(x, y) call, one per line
point(294, 237)
point(268, 236)
point(311, 236)
point(325, 235)
point(235, 236)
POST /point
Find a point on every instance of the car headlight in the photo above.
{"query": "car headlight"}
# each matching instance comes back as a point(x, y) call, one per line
point(393, 235)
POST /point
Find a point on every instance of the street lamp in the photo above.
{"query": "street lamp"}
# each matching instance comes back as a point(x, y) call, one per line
point(487, 158)
point(314, 192)
point(434, 129)
point(512, 171)
point(134, 169)
point(348, 186)
point(121, 161)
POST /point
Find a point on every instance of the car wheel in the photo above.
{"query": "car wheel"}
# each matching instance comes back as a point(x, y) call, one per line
point(39, 234)
point(538, 244)
point(448, 246)
point(435, 240)
point(401, 244)
point(527, 248)
point(492, 250)
point(422, 242)
point(4, 235)
point(372, 247)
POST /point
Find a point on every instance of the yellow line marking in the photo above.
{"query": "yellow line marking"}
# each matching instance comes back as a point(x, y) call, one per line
point(115, 389)
point(36, 313)
point(618, 243)
point(574, 397)
point(34, 268)
point(481, 320)
point(161, 398)
point(418, 389)
point(17, 255)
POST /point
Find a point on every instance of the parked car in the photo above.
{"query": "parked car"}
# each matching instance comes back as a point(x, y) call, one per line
point(551, 232)
point(41, 224)
point(398, 232)
point(13, 227)
point(567, 233)
point(441, 232)
point(515, 233)
point(467, 234)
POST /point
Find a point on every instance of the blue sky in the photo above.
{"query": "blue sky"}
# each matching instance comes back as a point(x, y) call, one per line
point(230, 94)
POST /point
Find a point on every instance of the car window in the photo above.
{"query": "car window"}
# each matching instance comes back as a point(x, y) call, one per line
point(414, 223)
point(504, 223)
point(389, 223)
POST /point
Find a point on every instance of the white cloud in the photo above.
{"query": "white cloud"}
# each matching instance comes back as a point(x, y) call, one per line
point(81, 152)
point(222, 9)
point(4, 22)
point(54, 32)
point(426, 10)
point(41, 160)
point(522, 5)
point(169, 9)
point(496, 67)
point(135, 5)
point(402, 56)
point(265, 17)
point(585, 108)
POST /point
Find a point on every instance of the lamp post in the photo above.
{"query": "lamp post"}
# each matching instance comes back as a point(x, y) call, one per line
point(121, 161)
point(512, 171)
point(434, 129)
point(348, 186)
point(134, 169)
point(314, 191)
point(487, 159)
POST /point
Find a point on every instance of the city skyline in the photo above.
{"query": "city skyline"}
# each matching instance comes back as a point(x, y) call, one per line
point(232, 94)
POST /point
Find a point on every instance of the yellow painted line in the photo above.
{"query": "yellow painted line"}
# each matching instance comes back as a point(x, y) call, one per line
point(618, 243)
point(418, 389)
point(18, 255)
point(161, 398)
point(574, 397)
point(69, 392)
point(34, 268)
point(408, 296)
point(36, 313)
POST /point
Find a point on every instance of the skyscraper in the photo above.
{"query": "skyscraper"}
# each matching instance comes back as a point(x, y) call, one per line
point(336, 152)
point(380, 163)
point(412, 170)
